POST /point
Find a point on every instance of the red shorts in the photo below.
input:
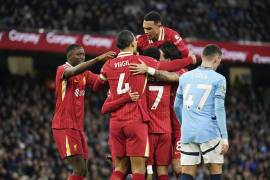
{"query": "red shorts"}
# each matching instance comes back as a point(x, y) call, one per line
point(128, 139)
point(176, 153)
point(160, 149)
point(70, 142)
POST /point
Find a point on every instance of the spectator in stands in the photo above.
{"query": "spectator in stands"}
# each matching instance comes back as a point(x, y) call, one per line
point(226, 20)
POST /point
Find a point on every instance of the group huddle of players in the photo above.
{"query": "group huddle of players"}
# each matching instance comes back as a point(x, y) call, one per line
point(144, 133)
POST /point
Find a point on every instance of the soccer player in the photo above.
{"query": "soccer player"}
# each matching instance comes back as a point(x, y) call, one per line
point(199, 106)
point(168, 51)
point(156, 34)
point(128, 131)
point(67, 123)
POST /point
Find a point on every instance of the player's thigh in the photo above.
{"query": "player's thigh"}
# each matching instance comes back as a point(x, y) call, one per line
point(121, 164)
point(162, 170)
point(117, 139)
point(68, 142)
point(214, 168)
point(211, 152)
point(153, 141)
point(176, 165)
point(191, 170)
point(138, 164)
point(78, 164)
point(190, 154)
point(137, 144)
point(163, 152)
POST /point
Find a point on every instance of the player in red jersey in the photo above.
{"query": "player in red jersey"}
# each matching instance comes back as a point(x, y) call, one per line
point(67, 123)
point(168, 52)
point(158, 96)
point(128, 131)
point(156, 34)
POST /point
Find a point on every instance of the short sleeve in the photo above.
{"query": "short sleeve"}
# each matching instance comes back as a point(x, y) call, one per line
point(221, 88)
point(91, 78)
point(60, 72)
point(179, 91)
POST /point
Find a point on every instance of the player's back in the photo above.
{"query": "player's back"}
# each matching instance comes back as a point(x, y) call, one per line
point(158, 100)
point(199, 88)
point(121, 81)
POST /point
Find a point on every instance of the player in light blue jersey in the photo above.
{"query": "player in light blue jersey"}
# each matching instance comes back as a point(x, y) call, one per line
point(199, 106)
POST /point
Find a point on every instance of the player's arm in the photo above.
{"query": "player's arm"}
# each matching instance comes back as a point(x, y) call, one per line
point(110, 106)
point(171, 66)
point(178, 103)
point(159, 74)
point(72, 71)
point(220, 109)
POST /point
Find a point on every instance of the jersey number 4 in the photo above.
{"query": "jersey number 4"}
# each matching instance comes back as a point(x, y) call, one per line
point(121, 86)
point(188, 99)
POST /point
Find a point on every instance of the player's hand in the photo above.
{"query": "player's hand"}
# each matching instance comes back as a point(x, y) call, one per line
point(224, 148)
point(134, 96)
point(193, 57)
point(106, 56)
point(138, 68)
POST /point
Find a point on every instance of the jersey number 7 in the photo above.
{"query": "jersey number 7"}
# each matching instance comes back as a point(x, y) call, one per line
point(188, 99)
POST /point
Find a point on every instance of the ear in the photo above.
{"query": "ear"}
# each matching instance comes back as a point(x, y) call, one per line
point(158, 24)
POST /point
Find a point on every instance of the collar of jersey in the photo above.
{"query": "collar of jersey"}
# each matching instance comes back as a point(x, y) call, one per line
point(203, 67)
point(123, 54)
point(161, 35)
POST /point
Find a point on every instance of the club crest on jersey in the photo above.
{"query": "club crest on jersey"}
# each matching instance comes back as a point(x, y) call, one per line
point(78, 92)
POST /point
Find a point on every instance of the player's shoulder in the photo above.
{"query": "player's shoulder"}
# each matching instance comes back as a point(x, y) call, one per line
point(142, 38)
point(219, 76)
point(187, 75)
point(146, 58)
point(172, 33)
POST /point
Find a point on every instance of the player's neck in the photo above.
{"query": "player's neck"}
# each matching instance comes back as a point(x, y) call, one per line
point(127, 50)
point(207, 65)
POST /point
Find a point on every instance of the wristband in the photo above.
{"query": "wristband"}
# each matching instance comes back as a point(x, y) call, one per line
point(151, 71)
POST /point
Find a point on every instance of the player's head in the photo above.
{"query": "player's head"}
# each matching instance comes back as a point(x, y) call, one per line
point(151, 24)
point(212, 55)
point(126, 41)
point(169, 51)
point(152, 52)
point(75, 54)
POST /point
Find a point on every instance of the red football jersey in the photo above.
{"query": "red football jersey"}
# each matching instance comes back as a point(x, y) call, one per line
point(121, 81)
point(176, 127)
point(158, 97)
point(69, 98)
point(166, 34)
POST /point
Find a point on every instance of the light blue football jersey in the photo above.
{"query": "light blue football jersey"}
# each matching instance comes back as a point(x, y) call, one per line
point(198, 89)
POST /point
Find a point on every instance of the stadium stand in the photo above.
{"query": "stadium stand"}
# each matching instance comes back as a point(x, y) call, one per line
point(213, 20)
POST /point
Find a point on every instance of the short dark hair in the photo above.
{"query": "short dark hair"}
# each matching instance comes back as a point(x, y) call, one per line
point(124, 39)
point(211, 49)
point(153, 16)
point(170, 51)
point(71, 48)
point(152, 52)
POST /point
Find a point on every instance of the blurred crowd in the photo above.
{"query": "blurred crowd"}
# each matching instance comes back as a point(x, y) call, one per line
point(27, 150)
point(227, 20)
